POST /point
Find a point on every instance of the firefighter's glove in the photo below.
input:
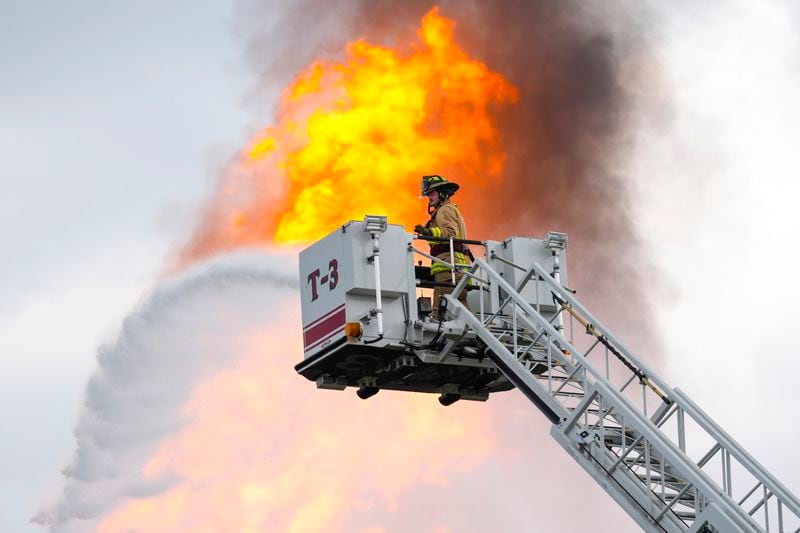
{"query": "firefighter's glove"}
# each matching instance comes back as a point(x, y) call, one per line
point(422, 230)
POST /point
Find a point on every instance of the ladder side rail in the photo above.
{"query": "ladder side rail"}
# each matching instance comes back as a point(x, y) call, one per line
point(525, 381)
point(713, 516)
point(532, 318)
point(677, 458)
point(601, 462)
point(511, 367)
point(569, 298)
point(686, 404)
point(763, 475)
point(529, 316)
point(653, 438)
point(627, 489)
point(623, 487)
point(489, 272)
point(554, 334)
point(537, 322)
point(537, 394)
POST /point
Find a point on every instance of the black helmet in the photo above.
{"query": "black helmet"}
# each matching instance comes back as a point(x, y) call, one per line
point(440, 183)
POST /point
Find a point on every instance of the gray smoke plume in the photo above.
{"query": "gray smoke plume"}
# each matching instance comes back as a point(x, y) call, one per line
point(182, 333)
point(262, 449)
point(565, 141)
point(578, 70)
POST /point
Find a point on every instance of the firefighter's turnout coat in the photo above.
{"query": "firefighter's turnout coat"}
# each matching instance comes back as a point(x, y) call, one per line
point(446, 221)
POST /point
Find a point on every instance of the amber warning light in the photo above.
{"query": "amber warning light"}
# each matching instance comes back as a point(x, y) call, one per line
point(352, 329)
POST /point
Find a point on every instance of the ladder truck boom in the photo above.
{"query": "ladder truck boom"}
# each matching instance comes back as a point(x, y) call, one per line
point(367, 324)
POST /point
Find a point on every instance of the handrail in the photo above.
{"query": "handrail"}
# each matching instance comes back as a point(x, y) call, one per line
point(448, 239)
point(683, 402)
point(463, 268)
point(741, 455)
point(675, 456)
point(569, 298)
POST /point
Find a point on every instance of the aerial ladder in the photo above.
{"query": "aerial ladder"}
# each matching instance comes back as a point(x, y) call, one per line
point(367, 324)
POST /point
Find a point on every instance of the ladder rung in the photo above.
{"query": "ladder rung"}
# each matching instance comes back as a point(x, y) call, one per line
point(570, 395)
point(672, 483)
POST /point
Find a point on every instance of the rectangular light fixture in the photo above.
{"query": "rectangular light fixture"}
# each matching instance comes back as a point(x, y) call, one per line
point(375, 223)
point(555, 240)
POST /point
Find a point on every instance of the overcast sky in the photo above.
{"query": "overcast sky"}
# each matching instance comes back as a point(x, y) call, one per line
point(115, 119)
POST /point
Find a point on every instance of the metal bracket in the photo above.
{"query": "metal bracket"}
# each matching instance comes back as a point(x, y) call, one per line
point(329, 382)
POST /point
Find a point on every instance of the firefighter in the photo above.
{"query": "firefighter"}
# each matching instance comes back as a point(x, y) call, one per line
point(445, 221)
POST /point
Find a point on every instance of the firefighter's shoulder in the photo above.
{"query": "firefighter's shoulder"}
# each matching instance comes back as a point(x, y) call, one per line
point(448, 210)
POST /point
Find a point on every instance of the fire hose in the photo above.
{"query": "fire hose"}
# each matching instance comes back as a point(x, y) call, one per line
point(591, 330)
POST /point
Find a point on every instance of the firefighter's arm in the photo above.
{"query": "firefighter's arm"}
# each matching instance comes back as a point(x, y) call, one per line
point(446, 222)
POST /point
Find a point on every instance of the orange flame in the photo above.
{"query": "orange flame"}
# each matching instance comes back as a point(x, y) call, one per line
point(355, 137)
point(262, 451)
point(351, 138)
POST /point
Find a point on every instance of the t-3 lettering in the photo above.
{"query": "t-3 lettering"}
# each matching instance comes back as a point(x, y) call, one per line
point(333, 265)
point(331, 278)
point(312, 279)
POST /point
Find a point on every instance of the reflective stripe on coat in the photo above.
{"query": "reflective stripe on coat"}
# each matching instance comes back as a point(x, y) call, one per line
point(446, 221)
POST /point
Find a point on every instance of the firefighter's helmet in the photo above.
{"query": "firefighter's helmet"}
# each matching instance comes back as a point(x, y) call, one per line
point(440, 183)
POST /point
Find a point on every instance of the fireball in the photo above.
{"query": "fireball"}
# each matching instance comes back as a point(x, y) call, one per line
point(355, 137)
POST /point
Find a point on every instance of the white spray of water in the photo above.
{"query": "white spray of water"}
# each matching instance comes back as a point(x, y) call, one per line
point(183, 332)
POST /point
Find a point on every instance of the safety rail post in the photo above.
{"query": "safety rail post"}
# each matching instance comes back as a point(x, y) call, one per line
point(452, 263)
point(375, 225)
